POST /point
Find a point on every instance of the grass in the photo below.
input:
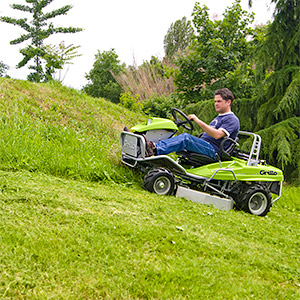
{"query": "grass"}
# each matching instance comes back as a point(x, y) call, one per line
point(66, 239)
point(75, 224)
point(60, 131)
point(146, 81)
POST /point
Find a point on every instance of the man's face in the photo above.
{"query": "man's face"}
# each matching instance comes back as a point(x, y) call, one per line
point(221, 105)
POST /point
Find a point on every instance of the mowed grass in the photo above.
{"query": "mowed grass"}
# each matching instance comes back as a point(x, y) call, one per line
point(73, 239)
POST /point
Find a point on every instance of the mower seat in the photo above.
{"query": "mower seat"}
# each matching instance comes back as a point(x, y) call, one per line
point(228, 147)
point(194, 159)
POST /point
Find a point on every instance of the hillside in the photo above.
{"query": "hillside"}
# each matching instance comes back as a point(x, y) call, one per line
point(76, 224)
point(60, 131)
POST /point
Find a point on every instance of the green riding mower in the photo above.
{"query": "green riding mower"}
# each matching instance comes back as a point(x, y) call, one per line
point(238, 179)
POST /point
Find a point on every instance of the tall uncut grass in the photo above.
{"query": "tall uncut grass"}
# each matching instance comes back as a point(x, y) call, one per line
point(145, 81)
point(57, 130)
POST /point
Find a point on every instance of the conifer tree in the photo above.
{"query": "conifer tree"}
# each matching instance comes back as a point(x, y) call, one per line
point(38, 30)
point(278, 77)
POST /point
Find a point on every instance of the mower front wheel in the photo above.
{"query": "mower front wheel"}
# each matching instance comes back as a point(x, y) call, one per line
point(160, 181)
point(255, 200)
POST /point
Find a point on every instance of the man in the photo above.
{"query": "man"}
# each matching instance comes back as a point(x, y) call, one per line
point(225, 124)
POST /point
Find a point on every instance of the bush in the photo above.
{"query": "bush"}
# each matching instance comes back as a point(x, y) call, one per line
point(101, 83)
point(131, 102)
point(161, 106)
point(3, 69)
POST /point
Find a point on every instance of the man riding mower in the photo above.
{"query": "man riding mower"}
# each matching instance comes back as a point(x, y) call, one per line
point(222, 175)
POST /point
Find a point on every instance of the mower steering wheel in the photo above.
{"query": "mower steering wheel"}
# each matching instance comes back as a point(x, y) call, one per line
point(178, 122)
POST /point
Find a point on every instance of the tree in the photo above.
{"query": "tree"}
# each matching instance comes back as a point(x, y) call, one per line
point(278, 79)
point(101, 81)
point(59, 56)
point(220, 46)
point(178, 37)
point(38, 30)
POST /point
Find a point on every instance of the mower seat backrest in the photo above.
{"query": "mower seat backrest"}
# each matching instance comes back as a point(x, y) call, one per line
point(228, 147)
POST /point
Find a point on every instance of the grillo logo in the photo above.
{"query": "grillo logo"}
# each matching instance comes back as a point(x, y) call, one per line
point(263, 172)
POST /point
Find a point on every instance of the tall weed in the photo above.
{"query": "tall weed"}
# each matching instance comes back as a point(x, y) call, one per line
point(146, 80)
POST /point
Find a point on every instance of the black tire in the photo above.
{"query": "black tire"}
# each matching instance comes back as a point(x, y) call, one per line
point(159, 181)
point(255, 200)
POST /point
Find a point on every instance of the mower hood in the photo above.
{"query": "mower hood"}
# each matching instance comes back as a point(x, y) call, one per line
point(154, 124)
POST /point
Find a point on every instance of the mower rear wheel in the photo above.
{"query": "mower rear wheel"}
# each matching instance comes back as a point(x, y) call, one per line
point(255, 200)
point(160, 181)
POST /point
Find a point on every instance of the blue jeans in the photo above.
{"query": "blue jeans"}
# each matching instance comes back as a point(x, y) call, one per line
point(187, 142)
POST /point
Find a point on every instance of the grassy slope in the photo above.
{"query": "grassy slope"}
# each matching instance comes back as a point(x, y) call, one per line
point(59, 131)
point(78, 239)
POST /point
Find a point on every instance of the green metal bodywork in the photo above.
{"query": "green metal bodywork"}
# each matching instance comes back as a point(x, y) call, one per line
point(237, 169)
point(154, 124)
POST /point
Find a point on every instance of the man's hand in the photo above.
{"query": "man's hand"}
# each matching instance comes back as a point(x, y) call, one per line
point(213, 132)
point(193, 117)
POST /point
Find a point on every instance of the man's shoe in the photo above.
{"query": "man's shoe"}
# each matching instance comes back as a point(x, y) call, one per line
point(150, 147)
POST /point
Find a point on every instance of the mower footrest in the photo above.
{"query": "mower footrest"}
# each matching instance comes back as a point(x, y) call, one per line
point(203, 198)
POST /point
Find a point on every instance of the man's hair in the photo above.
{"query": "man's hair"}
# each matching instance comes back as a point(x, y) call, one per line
point(225, 94)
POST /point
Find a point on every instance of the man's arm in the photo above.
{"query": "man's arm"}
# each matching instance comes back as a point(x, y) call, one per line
point(213, 132)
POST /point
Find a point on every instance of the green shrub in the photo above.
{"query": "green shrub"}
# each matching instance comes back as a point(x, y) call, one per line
point(131, 102)
point(161, 106)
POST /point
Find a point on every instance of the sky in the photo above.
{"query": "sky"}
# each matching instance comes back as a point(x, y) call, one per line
point(134, 28)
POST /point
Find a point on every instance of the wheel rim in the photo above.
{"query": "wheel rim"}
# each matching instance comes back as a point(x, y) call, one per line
point(162, 185)
point(258, 202)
